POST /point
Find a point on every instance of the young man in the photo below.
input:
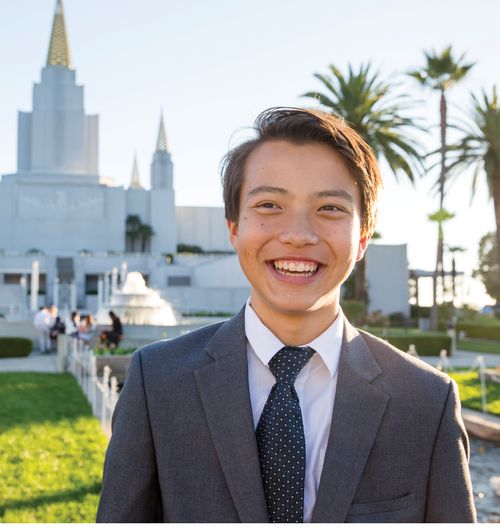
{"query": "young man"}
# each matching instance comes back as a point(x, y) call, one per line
point(286, 413)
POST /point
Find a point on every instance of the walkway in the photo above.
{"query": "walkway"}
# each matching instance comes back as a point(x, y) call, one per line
point(465, 359)
point(35, 362)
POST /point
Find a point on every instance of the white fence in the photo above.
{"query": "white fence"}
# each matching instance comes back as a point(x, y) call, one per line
point(102, 392)
point(479, 365)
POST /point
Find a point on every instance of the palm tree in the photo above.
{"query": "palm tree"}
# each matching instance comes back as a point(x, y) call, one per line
point(132, 225)
point(480, 146)
point(145, 233)
point(369, 106)
point(453, 250)
point(440, 217)
point(440, 72)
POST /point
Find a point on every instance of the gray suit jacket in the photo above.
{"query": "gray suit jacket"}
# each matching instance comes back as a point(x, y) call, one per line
point(183, 447)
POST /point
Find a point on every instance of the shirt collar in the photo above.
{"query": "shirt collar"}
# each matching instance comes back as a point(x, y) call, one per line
point(266, 344)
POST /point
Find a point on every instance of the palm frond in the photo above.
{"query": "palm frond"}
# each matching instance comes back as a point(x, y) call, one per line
point(370, 106)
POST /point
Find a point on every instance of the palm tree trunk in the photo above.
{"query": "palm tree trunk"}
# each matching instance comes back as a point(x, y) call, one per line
point(360, 282)
point(442, 175)
point(439, 271)
point(442, 178)
point(453, 279)
point(495, 191)
point(433, 320)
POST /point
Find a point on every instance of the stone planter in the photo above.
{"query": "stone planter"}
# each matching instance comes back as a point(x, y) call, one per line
point(117, 363)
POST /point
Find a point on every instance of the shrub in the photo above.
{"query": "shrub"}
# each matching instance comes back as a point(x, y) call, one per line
point(426, 344)
point(354, 311)
point(207, 314)
point(482, 331)
point(117, 351)
point(479, 346)
point(398, 319)
point(420, 312)
point(188, 248)
point(15, 347)
point(377, 319)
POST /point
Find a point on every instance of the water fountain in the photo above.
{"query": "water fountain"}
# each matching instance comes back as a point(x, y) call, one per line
point(136, 304)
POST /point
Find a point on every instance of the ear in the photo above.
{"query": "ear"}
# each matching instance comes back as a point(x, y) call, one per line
point(363, 243)
point(233, 233)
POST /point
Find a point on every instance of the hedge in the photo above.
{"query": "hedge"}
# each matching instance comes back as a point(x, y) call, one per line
point(485, 332)
point(354, 311)
point(15, 347)
point(426, 345)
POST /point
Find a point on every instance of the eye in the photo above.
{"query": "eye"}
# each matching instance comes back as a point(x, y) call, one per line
point(331, 207)
point(266, 205)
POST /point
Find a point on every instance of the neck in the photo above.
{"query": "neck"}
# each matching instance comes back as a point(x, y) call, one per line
point(298, 329)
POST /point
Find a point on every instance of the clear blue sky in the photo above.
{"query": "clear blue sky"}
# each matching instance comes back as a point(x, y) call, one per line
point(213, 66)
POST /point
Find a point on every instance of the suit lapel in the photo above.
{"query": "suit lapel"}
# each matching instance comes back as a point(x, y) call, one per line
point(223, 389)
point(358, 410)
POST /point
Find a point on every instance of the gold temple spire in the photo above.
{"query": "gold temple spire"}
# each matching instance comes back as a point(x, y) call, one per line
point(58, 54)
point(135, 181)
point(161, 144)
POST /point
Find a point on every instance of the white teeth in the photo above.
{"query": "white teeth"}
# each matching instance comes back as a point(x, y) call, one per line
point(294, 267)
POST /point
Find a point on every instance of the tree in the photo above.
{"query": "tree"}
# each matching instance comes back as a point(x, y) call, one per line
point(480, 146)
point(369, 106)
point(489, 270)
point(132, 226)
point(453, 250)
point(440, 72)
point(145, 233)
point(440, 217)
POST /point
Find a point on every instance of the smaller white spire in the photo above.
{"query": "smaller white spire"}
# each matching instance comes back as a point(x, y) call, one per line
point(161, 143)
point(135, 181)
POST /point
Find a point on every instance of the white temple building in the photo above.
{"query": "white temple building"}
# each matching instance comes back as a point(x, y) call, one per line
point(67, 236)
point(58, 211)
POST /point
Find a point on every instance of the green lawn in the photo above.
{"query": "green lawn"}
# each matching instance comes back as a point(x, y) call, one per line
point(51, 450)
point(479, 346)
point(470, 391)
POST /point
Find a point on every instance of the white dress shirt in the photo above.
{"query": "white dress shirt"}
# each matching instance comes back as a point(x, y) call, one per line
point(315, 386)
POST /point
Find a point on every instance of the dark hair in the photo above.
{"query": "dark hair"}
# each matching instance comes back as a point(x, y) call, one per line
point(301, 126)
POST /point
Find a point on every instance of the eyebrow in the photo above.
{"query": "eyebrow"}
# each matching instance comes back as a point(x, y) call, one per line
point(338, 193)
point(335, 193)
point(268, 189)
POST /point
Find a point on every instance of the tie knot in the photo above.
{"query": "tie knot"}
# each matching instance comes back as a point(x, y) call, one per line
point(288, 362)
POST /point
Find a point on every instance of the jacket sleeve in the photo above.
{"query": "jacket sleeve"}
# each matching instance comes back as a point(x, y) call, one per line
point(130, 489)
point(449, 493)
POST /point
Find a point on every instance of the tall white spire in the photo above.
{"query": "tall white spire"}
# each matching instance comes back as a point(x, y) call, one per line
point(58, 54)
point(135, 181)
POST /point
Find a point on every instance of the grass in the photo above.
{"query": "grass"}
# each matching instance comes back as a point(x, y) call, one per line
point(51, 450)
point(470, 391)
point(479, 346)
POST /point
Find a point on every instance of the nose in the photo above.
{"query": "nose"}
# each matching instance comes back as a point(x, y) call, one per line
point(298, 231)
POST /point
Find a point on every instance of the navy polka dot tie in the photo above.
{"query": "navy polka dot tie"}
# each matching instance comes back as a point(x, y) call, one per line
point(280, 439)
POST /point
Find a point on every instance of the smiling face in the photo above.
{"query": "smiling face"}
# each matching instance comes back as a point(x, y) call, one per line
point(298, 231)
